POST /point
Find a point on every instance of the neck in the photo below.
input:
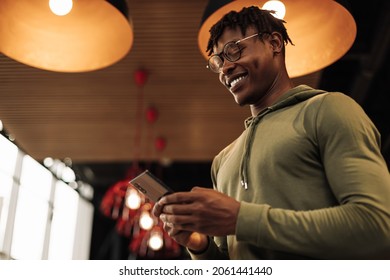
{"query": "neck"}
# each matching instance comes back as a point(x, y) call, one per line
point(273, 94)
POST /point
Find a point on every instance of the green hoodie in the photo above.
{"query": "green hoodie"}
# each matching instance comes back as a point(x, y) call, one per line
point(311, 180)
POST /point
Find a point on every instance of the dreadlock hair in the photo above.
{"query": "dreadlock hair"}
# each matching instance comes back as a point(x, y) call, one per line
point(262, 20)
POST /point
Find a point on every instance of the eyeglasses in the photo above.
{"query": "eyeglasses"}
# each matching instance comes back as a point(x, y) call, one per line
point(231, 51)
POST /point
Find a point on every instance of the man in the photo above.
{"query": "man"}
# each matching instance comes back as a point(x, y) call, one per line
point(306, 178)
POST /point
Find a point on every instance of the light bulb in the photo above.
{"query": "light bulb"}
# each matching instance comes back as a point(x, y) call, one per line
point(146, 222)
point(155, 241)
point(277, 6)
point(133, 200)
point(48, 162)
point(60, 7)
point(68, 174)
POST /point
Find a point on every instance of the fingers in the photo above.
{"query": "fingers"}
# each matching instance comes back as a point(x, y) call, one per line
point(157, 209)
point(175, 223)
point(177, 209)
point(172, 203)
point(159, 206)
point(176, 220)
point(168, 227)
point(176, 198)
point(171, 229)
point(182, 203)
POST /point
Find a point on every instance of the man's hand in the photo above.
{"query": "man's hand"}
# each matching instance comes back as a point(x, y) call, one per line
point(190, 216)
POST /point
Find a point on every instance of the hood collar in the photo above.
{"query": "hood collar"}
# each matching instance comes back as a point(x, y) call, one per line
point(293, 96)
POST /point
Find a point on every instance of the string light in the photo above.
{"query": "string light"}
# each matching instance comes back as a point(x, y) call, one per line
point(146, 221)
point(133, 200)
point(156, 240)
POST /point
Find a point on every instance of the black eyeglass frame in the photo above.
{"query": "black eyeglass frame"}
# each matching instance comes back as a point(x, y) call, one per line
point(223, 55)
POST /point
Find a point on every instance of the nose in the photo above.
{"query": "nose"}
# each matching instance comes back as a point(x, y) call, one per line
point(227, 67)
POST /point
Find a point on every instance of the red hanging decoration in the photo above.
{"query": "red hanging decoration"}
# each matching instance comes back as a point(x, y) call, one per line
point(140, 77)
point(151, 114)
point(112, 202)
point(131, 210)
point(160, 143)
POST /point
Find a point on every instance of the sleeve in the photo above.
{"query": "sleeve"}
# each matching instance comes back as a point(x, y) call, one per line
point(359, 227)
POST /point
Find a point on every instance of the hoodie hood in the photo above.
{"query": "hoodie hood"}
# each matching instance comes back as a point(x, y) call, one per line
point(293, 96)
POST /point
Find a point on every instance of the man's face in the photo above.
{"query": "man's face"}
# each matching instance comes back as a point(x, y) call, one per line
point(251, 77)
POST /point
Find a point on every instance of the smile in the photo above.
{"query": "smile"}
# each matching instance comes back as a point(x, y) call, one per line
point(237, 80)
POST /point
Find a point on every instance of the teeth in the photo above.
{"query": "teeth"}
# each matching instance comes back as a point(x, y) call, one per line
point(235, 81)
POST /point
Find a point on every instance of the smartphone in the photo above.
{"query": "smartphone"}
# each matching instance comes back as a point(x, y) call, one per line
point(151, 186)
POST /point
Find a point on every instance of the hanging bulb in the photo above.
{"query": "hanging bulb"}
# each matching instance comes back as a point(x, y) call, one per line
point(155, 240)
point(133, 200)
point(60, 7)
point(146, 221)
point(48, 162)
point(277, 6)
point(68, 175)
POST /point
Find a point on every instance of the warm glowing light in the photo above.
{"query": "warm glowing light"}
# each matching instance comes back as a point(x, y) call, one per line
point(133, 200)
point(68, 175)
point(60, 7)
point(277, 6)
point(48, 162)
point(146, 221)
point(155, 241)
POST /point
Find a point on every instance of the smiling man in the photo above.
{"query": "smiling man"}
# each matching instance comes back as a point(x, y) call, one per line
point(305, 179)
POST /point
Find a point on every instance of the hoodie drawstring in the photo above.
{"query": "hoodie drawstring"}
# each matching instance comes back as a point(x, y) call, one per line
point(248, 146)
point(304, 94)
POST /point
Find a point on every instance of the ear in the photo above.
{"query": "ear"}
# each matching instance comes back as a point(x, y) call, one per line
point(276, 41)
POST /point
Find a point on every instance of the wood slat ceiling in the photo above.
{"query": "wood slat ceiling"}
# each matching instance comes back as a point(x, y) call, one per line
point(91, 117)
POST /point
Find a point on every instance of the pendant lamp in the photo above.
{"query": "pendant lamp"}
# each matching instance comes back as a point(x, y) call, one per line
point(93, 35)
point(322, 31)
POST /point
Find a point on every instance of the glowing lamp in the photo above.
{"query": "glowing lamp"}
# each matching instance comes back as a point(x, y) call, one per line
point(155, 241)
point(93, 35)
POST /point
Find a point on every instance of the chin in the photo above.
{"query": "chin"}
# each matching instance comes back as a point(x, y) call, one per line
point(241, 104)
point(240, 101)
